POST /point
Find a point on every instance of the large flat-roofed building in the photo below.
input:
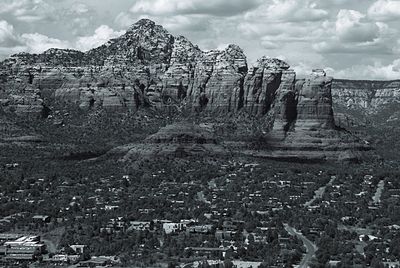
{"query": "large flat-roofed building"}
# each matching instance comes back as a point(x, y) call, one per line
point(19, 257)
point(20, 247)
point(9, 237)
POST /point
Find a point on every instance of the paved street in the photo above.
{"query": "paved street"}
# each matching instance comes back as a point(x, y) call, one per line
point(310, 247)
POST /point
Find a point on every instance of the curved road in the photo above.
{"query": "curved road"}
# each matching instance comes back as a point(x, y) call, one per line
point(310, 246)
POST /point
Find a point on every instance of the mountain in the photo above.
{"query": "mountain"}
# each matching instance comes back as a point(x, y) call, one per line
point(148, 69)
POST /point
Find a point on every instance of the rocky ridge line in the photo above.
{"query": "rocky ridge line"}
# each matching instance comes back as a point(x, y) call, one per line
point(149, 68)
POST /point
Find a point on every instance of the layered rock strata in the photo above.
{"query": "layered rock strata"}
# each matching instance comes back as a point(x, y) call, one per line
point(149, 68)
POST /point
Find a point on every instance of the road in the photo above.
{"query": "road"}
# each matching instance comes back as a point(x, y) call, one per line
point(377, 197)
point(319, 193)
point(310, 246)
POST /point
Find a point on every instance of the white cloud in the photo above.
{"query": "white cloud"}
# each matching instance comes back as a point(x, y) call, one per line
point(7, 35)
point(385, 10)
point(11, 42)
point(9, 6)
point(100, 36)
point(354, 33)
point(28, 10)
point(287, 11)
point(351, 27)
point(38, 43)
point(376, 71)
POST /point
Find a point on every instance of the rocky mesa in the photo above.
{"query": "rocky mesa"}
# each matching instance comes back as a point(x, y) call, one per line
point(148, 68)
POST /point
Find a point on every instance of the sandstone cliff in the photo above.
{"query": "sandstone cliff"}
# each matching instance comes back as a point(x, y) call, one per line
point(148, 68)
point(365, 96)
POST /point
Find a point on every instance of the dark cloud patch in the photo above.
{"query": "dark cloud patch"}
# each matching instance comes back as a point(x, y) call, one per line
point(174, 7)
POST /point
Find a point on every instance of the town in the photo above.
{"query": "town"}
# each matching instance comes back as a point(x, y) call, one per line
point(237, 214)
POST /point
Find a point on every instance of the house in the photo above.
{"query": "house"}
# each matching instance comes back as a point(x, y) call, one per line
point(139, 226)
point(78, 249)
point(25, 245)
point(172, 227)
point(9, 237)
point(207, 252)
point(202, 229)
point(110, 207)
point(20, 257)
point(41, 218)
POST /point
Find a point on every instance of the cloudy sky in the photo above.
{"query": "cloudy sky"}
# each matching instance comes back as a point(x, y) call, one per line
point(358, 39)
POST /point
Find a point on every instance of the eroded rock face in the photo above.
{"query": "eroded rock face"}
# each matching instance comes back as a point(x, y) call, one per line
point(218, 86)
point(315, 101)
point(367, 97)
point(304, 127)
point(149, 68)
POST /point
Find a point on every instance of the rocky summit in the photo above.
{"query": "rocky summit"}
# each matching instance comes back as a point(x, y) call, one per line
point(149, 69)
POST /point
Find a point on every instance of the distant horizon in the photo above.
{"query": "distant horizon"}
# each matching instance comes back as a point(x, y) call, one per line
point(345, 39)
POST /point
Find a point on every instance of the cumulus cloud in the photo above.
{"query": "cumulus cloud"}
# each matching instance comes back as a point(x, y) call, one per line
point(288, 11)
point(351, 27)
point(7, 35)
point(37, 43)
point(11, 42)
point(215, 7)
point(385, 10)
point(27, 10)
point(100, 36)
point(376, 71)
point(354, 33)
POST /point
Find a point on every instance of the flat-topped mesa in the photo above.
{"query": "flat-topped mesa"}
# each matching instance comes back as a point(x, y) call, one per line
point(314, 106)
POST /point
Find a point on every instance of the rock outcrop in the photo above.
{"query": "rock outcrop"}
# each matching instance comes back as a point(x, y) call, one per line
point(365, 103)
point(179, 140)
point(365, 96)
point(304, 127)
point(149, 68)
point(314, 105)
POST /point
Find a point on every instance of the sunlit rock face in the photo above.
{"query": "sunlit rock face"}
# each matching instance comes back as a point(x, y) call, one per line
point(218, 81)
point(147, 68)
point(314, 105)
point(304, 127)
point(365, 96)
point(261, 85)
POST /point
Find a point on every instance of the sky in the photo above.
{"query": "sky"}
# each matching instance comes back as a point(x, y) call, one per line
point(355, 39)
